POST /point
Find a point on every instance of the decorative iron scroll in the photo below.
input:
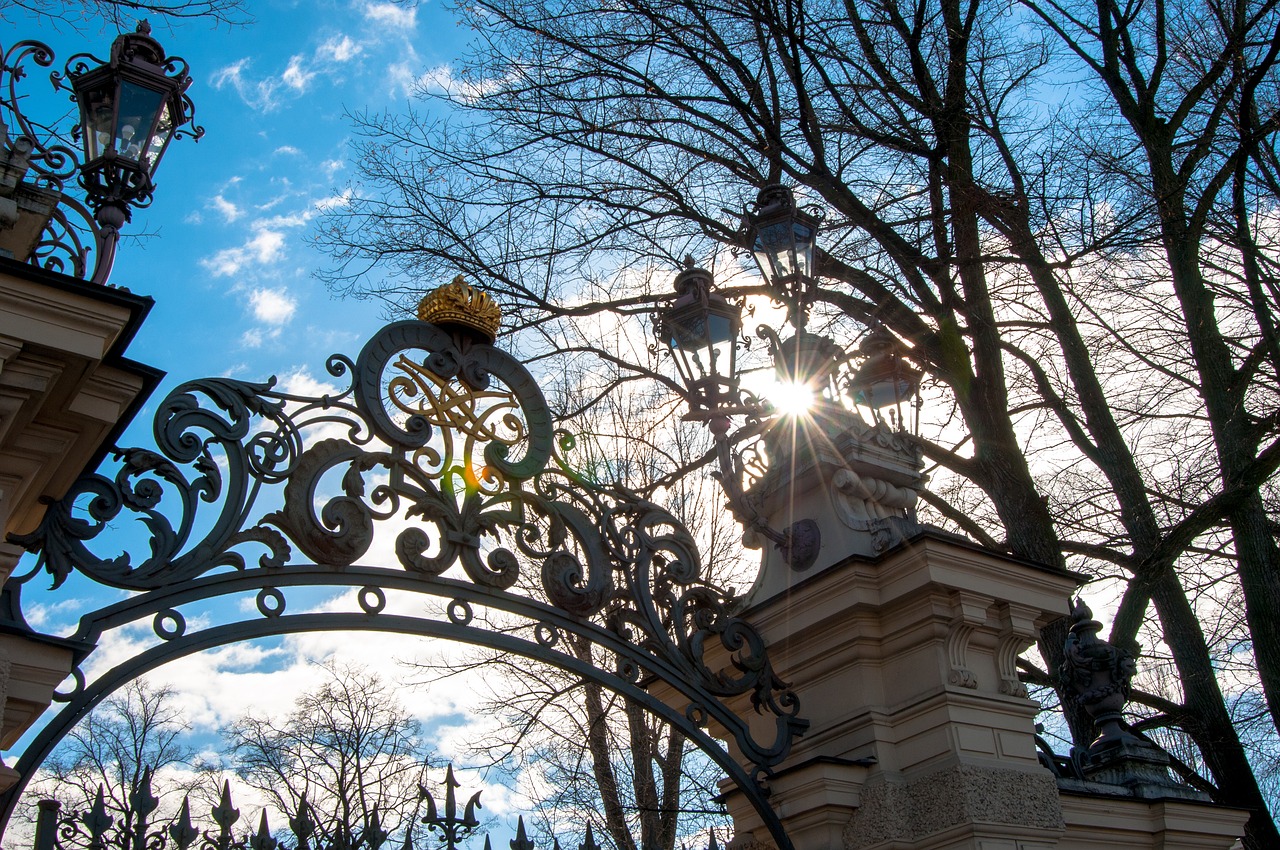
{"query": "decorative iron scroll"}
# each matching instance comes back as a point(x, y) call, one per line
point(451, 447)
point(71, 235)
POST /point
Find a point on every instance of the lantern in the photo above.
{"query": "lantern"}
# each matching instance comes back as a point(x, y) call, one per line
point(701, 329)
point(782, 239)
point(884, 380)
point(130, 109)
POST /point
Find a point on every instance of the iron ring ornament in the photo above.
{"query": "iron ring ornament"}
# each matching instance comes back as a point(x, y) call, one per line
point(450, 446)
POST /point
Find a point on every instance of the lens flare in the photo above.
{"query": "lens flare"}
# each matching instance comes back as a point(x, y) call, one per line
point(791, 399)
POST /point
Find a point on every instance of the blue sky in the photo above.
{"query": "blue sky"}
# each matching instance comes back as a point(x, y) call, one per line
point(232, 273)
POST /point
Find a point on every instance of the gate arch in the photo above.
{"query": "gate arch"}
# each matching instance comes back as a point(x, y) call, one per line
point(451, 440)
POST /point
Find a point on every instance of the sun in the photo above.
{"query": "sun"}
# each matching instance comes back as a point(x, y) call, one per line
point(791, 398)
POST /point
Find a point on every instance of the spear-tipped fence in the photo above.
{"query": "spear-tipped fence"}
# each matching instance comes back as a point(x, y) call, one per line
point(96, 828)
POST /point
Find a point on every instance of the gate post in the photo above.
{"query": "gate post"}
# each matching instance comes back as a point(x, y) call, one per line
point(901, 643)
point(47, 824)
point(920, 735)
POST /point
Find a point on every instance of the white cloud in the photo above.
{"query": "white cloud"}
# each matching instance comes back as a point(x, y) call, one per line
point(287, 149)
point(263, 247)
point(231, 74)
point(391, 15)
point(440, 79)
point(260, 94)
point(264, 94)
point(301, 382)
point(334, 202)
point(339, 49)
point(228, 210)
point(272, 306)
point(266, 245)
point(403, 80)
point(291, 220)
point(295, 76)
point(332, 167)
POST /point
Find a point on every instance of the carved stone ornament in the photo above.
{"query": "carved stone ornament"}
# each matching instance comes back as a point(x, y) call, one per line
point(1096, 676)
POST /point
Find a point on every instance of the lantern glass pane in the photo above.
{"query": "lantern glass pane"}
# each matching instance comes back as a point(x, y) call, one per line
point(700, 329)
point(159, 140)
point(98, 114)
point(802, 243)
point(139, 107)
point(775, 248)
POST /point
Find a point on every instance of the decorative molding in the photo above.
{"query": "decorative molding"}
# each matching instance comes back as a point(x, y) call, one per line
point(1017, 633)
point(969, 613)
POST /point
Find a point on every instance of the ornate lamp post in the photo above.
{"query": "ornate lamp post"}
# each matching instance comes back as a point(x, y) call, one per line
point(702, 330)
point(131, 107)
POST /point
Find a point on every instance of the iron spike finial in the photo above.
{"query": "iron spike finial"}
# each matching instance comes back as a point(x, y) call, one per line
point(140, 798)
point(96, 820)
point(303, 825)
point(182, 830)
point(374, 835)
point(224, 814)
point(453, 829)
point(521, 841)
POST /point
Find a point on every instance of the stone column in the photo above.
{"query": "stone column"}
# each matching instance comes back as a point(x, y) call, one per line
point(921, 735)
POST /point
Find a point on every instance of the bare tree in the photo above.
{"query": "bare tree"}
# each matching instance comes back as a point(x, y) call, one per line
point(136, 732)
point(347, 761)
point(119, 14)
point(1066, 210)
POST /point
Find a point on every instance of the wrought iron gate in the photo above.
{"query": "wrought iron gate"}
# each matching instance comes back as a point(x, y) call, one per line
point(450, 441)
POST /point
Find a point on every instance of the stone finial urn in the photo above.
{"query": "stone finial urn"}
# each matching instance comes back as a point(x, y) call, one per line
point(1096, 676)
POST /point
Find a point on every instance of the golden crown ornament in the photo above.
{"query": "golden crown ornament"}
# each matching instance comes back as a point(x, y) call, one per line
point(461, 305)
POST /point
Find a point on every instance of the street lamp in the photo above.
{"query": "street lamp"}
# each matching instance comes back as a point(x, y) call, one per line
point(131, 107)
point(782, 237)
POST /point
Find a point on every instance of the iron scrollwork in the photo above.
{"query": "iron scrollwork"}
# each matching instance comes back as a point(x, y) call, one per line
point(71, 234)
point(451, 446)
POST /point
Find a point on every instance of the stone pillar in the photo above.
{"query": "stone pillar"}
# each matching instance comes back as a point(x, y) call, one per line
point(901, 643)
point(921, 735)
